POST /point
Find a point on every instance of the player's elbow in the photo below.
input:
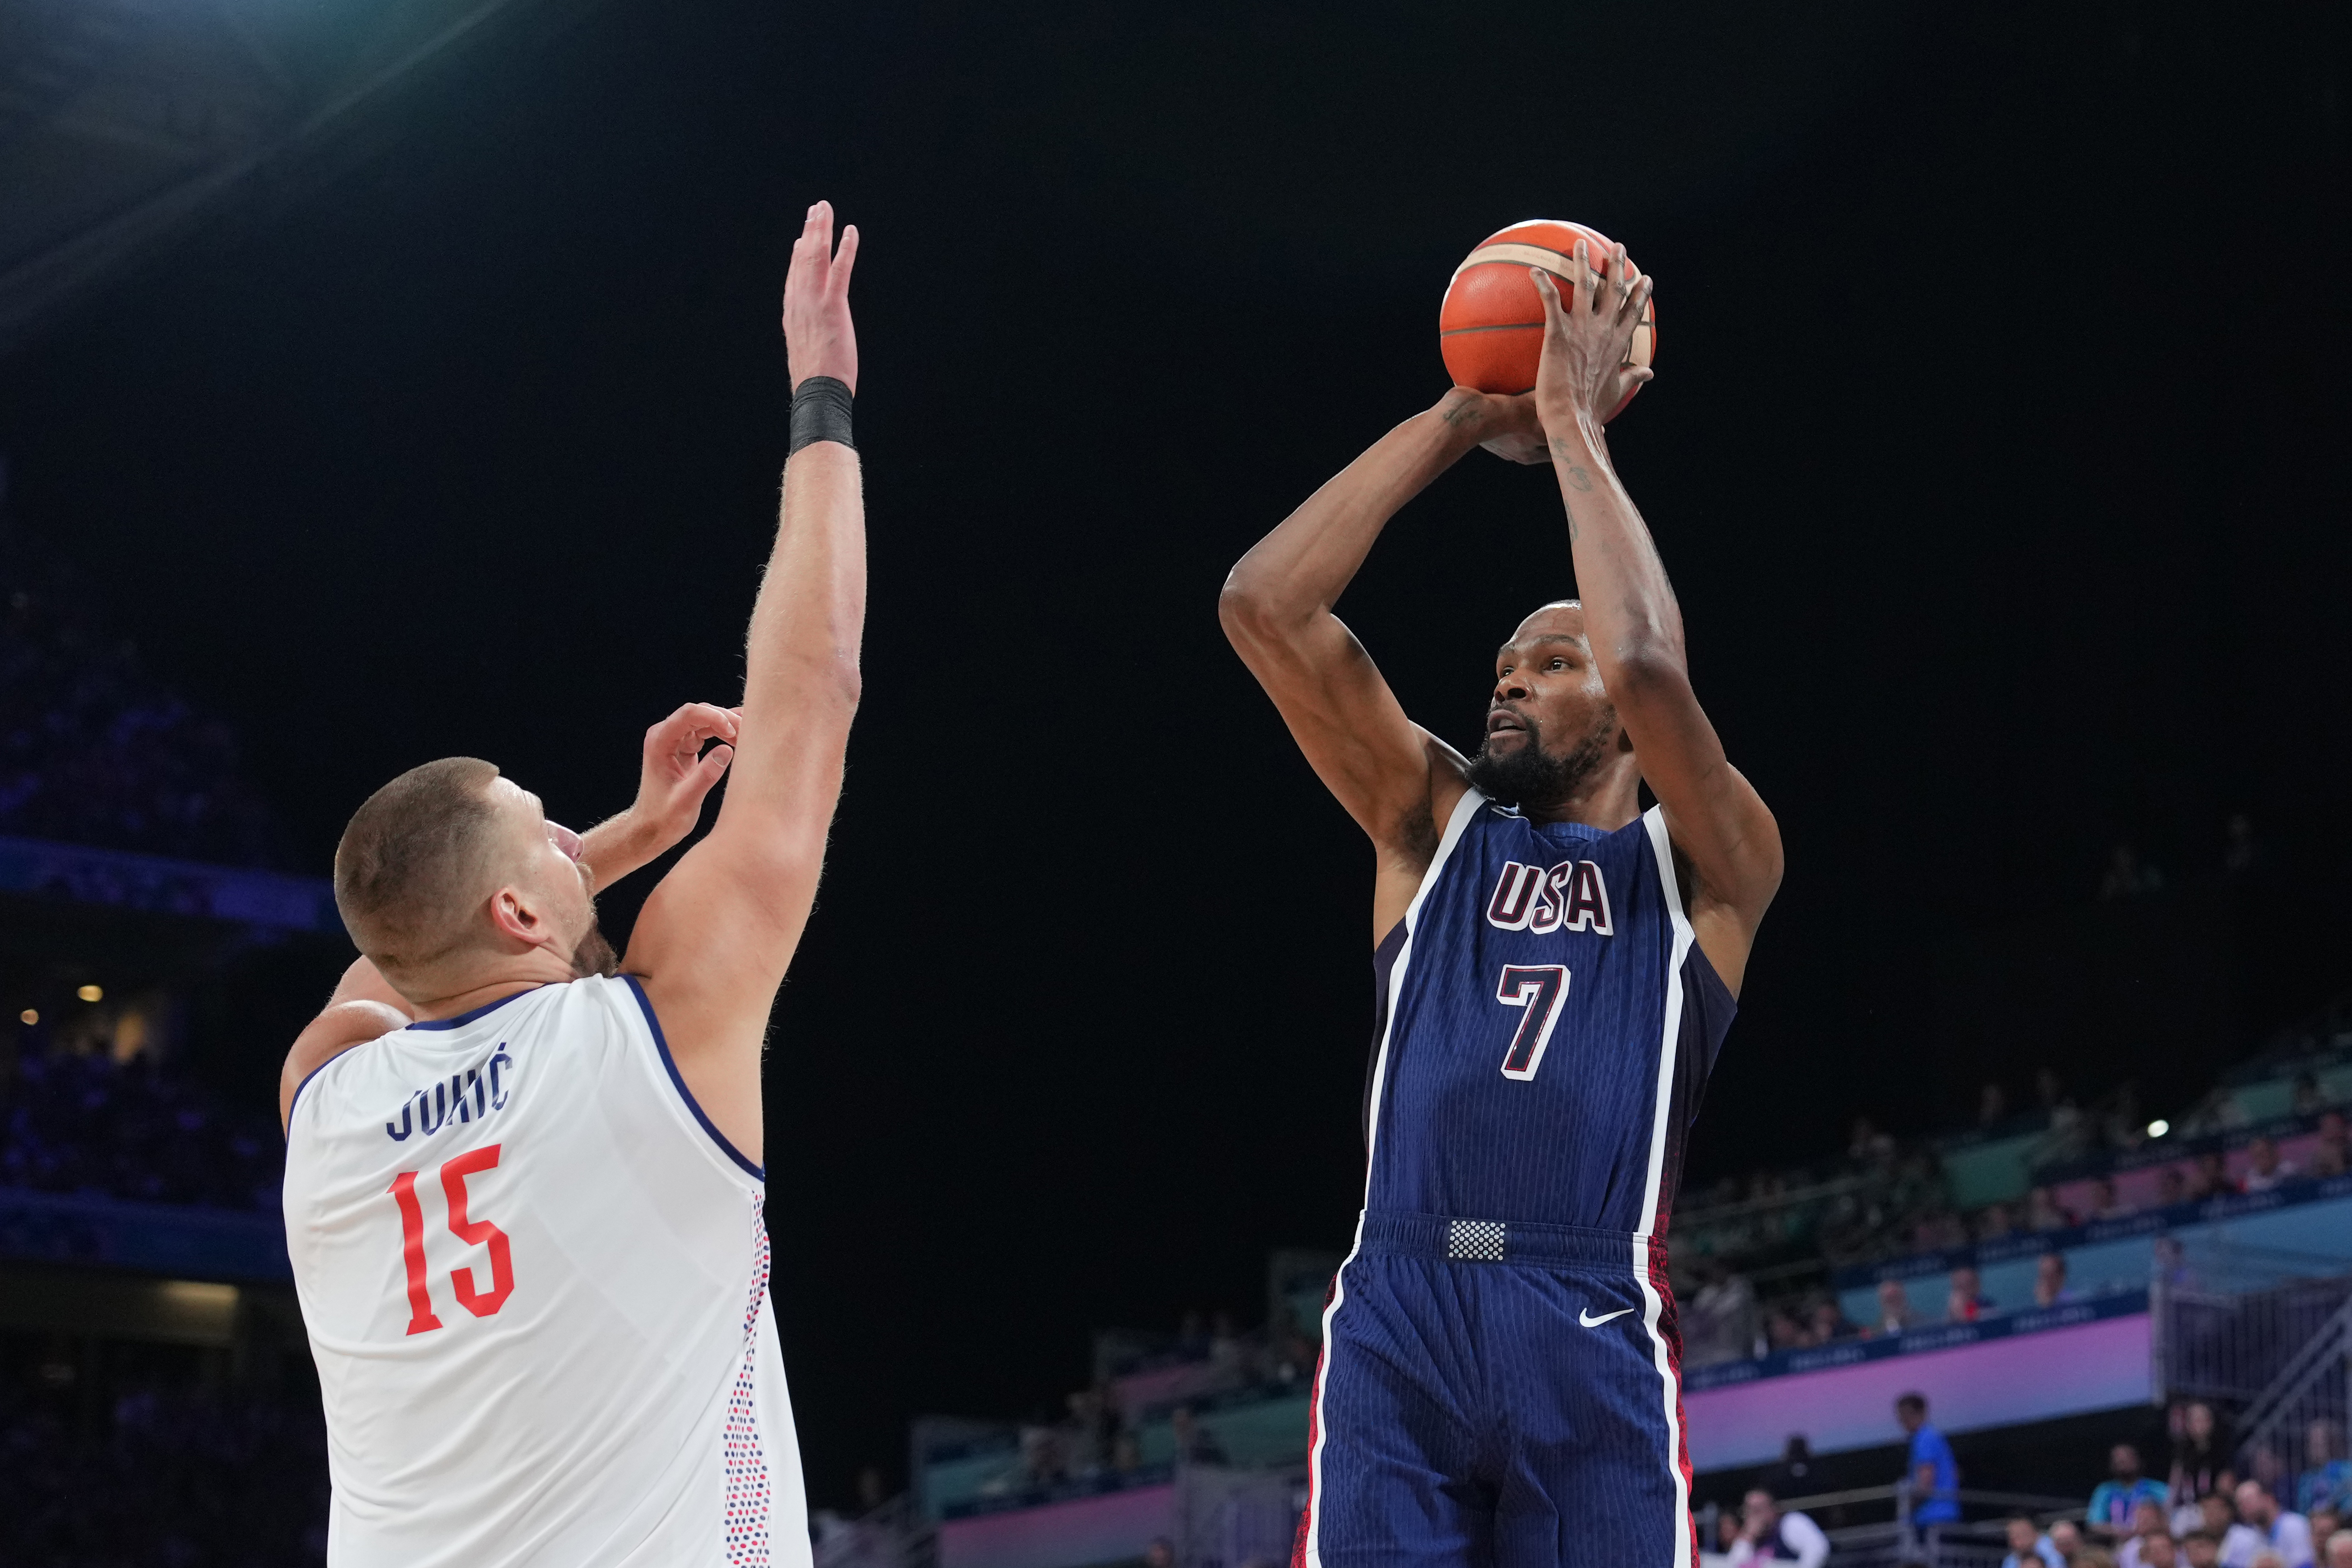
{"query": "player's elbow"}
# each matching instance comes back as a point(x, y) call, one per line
point(1252, 612)
point(1648, 670)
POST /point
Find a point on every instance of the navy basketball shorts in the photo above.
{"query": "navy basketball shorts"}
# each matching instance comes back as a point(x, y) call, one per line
point(1501, 1395)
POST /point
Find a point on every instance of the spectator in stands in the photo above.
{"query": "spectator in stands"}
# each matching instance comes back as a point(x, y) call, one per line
point(2201, 1548)
point(1827, 1323)
point(1995, 1223)
point(2200, 1459)
point(1893, 1308)
point(1793, 1476)
point(1934, 1474)
point(2049, 1288)
point(2027, 1545)
point(1290, 1355)
point(1160, 1554)
point(1992, 1105)
point(1782, 1332)
point(2282, 1530)
point(1127, 1457)
point(2172, 1187)
point(2327, 1524)
point(2333, 1156)
point(2150, 1522)
point(1938, 1230)
point(2067, 1537)
point(2156, 1551)
point(2306, 1095)
point(1094, 1428)
point(2105, 1204)
point(2238, 1541)
point(2326, 1480)
point(1869, 1146)
point(1966, 1301)
point(2339, 1550)
point(2209, 1179)
point(2265, 1169)
point(2043, 1212)
point(1721, 1323)
point(2113, 1503)
point(1195, 1444)
point(1768, 1535)
point(1227, 1350)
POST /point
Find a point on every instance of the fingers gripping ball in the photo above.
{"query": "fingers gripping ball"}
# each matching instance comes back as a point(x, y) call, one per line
point(1491, 327)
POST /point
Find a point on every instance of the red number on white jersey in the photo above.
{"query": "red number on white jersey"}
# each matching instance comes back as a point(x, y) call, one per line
point(473, 1232)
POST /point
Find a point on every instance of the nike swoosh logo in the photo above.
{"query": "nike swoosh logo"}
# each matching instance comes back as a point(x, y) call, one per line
point(1589, 1321)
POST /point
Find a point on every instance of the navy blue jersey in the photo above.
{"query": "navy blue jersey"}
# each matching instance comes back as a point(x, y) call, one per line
point(1547, 1024)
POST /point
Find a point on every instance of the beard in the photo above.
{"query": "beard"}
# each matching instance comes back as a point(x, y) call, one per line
point(1526, 776)
point(594, 955)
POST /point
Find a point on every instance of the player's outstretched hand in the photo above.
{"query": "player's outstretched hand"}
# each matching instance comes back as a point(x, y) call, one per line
point(1588, 337)
point(677, 773)
point(819, 338)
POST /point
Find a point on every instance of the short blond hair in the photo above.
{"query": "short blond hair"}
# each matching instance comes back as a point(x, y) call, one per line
point(414, 860)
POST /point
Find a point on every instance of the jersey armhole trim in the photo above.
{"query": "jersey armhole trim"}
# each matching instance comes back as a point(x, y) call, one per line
point(295, 1104)
point(661, 1044)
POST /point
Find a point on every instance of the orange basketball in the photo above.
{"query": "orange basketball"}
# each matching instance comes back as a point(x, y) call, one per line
point(1490, 327)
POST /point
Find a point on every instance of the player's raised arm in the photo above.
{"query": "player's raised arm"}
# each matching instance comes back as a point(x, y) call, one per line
point(1720, 826)
point(716, 936)
point(675, 773)
point(1398, 780)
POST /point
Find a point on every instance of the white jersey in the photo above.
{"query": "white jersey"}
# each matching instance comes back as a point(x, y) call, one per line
point(536, 1284)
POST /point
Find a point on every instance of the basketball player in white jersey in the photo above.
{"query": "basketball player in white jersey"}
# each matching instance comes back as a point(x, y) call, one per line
point(523, 1191)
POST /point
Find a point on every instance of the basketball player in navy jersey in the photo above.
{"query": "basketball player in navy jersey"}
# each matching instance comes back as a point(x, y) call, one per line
point(1556, 969)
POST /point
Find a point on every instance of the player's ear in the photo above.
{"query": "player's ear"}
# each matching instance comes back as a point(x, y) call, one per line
point(516, 916)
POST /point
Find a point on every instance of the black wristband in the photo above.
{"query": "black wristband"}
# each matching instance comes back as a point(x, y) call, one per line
point(820, 413)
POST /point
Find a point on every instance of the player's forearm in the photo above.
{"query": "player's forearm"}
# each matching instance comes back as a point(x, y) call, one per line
point(1304, 564)
point(801, 680)
point(618, 845)
point(1630, 613)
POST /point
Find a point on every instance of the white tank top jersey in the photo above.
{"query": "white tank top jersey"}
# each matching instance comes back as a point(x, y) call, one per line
point(536, 1284)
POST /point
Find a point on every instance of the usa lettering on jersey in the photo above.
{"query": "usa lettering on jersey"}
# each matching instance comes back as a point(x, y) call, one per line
point(1569, 895)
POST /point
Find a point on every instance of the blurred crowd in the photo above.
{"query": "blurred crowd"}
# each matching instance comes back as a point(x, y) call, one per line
point(1890, 1204)
point(2198, 1512)
point(160, 1479)
point(85, 1122)
point(93, 750)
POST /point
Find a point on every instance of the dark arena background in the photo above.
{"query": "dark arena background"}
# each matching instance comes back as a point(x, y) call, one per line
point(387, 379)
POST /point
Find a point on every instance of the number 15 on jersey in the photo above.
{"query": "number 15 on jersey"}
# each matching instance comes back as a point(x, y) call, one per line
point(473, 1232)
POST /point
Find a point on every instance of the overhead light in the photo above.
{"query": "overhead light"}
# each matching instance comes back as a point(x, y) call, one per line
point(30, 1016)
point(2158, 1128)
point(93, 993)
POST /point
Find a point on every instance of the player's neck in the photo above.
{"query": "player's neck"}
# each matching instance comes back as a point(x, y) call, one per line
point(510, 977)
point(1607, 804)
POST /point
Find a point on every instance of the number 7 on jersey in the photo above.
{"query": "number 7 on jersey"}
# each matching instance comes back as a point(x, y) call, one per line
point(1536, 990)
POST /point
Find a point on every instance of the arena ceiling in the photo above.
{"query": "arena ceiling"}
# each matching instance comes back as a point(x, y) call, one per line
point(126, 122)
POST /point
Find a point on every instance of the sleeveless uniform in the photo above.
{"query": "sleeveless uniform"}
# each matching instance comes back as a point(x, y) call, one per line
point(1500, 1379)
point(536, 1284)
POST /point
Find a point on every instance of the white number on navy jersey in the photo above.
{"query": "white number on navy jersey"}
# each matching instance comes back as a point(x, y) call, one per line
point(1536, 990)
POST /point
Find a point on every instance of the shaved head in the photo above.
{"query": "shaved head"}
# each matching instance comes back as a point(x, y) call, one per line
point(416, 860)
point(1551, 729)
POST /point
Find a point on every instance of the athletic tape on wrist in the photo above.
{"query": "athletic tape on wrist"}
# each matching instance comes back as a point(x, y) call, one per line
point(820, 413)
